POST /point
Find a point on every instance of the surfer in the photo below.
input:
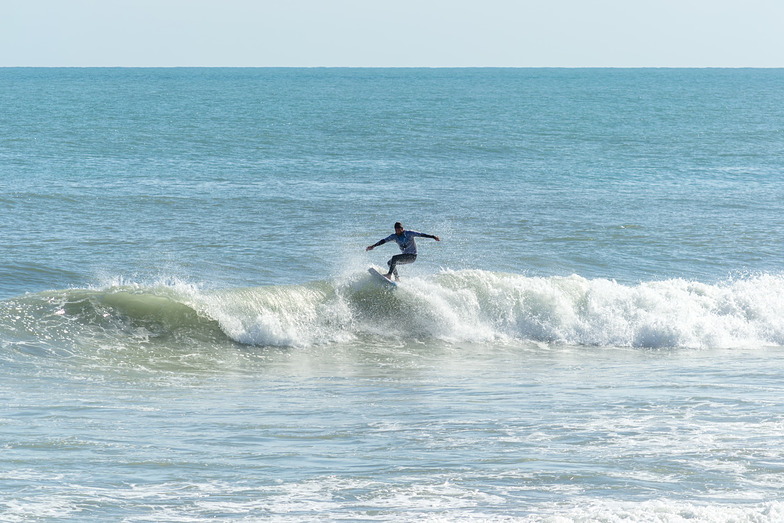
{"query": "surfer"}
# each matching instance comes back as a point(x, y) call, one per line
point(408, 249)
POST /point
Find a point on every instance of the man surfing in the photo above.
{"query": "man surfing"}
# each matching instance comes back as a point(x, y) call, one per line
point(408, 249)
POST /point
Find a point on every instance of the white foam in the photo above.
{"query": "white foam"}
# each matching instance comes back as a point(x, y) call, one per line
point(284, 315)
point(576, 310)
point(477, 306)
point(660, 511)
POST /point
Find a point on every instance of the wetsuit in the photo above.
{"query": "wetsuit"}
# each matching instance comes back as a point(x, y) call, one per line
point(407, 246)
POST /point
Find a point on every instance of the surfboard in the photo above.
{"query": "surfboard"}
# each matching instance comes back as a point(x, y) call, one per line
point(378, 276)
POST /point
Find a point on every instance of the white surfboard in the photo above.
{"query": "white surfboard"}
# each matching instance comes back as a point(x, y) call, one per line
point(377, 275)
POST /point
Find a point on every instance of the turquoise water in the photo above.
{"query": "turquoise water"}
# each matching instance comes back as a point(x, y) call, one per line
point(188, 330)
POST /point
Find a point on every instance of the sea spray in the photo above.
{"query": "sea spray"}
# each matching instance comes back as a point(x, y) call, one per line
point(288, 315)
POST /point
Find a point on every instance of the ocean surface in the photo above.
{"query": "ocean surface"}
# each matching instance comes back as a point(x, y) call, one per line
point(188, 330)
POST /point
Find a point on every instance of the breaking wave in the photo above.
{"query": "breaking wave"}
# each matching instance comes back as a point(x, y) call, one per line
point(453, 306)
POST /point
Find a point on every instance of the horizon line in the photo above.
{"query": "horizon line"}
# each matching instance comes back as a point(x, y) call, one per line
point(385, 67)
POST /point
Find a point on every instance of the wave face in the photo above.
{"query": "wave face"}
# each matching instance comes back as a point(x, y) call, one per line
point(453, 306)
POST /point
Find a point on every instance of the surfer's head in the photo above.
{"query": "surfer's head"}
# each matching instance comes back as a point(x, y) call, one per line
point(398, 227)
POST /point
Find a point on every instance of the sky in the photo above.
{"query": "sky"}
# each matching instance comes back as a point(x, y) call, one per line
point(399, 33)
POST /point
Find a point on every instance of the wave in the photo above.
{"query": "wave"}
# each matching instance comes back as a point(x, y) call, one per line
point(452, 306)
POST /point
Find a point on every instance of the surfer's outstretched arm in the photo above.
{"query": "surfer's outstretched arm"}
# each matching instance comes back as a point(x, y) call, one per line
point(380, 242)
point(423, 235)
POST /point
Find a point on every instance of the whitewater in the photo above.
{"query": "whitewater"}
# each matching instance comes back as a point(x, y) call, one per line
point(450, 306)
point(188, 330)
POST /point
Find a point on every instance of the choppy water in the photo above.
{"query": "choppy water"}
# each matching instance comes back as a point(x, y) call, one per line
point(188, 331)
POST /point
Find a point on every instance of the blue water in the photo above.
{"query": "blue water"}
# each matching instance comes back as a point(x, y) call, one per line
point(188, 330)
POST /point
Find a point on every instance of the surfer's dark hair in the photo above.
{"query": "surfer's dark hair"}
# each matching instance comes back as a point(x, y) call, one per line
point(398, 225)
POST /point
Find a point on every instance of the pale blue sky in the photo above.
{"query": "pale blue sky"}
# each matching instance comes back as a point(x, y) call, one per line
point(393, 33)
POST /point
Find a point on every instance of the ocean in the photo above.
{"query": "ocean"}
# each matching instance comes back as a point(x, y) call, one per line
point(188, 330)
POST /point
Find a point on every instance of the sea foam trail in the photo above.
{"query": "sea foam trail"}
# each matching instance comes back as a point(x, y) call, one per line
point(452, 306)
